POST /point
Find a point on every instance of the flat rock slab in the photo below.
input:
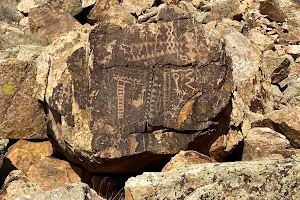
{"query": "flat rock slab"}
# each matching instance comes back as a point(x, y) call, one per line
point(21, 116)
point(166, 75)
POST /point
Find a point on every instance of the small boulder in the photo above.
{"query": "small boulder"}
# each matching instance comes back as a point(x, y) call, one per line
point(185, 158)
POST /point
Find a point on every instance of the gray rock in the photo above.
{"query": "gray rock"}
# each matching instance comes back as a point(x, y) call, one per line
point(266, 179)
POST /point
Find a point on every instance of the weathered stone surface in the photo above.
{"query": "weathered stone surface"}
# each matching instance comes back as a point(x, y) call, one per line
point(171, 75)
point(21, 115)
point(69, 6)
point(261, 142)
point(225, 144)
point(18, 186)
point(287, 122)
point(33, 159)
point(50, 22)
point(51, 173)
point(111, 11)
point(279, 10)
point(252, 86)
point(185, 158)
point(293, 49)
point(75, 191)
point(270, 179)
point(23, 154)
point(137, 6)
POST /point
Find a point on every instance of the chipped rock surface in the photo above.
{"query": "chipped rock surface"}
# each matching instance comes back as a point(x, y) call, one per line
point(270, 179)
point(134, 80)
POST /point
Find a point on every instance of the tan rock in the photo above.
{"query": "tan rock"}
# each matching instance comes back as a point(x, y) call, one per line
point(24, 154)
point(74, 191)
point(112, 12)
point(261, 142)
point(52, 173)
point(267, 179)
point(287, 122)
point(18, 186)
point(261, 41)
point(21, 115)
point(293, 49)
point(50, 22)
point(69, 6)
point(185, 158)
point(137, 7)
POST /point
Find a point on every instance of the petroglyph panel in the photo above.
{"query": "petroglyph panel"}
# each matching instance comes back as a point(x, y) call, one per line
point(164, 75)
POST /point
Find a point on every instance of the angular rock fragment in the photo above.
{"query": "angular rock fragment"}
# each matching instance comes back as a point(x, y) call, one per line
point(21, 115)
point(51, 173)
point(270, 179)
point(111, 11)
point(50, 22)
point(287, 122)
point(185, 158)
point(170, 75)
point(32, 158)
point(137, 6)
point(261, 142)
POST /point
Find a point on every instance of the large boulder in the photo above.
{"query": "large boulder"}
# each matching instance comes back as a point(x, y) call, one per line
point(261, 142)
point(21, 115)
point(267, 179)
point(122, 85)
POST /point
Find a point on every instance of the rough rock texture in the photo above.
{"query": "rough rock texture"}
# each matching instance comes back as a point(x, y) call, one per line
point(21, 115)
point(185, 158)
point(112, 12)
point(75, 191)
point(18, 186)
point(50, 22)
point(279, 10)
point(32, 158)
point(270, 179)
point(24, 154)
point(52, 173)
point(172, 74)
point(252, 87)
point(260, 142)
point(137, 6)
point(287, 122)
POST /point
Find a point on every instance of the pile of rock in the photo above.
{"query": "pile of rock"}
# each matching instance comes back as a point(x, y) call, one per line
point(89, 88)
